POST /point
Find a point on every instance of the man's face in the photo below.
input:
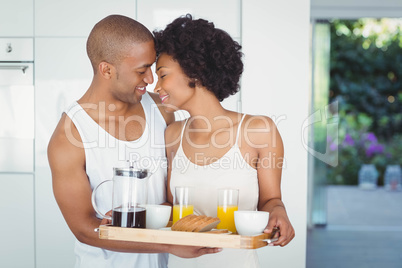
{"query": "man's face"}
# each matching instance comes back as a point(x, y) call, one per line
point(134, 73)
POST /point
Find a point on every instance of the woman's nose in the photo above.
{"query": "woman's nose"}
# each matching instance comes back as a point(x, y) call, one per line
point(157, 87)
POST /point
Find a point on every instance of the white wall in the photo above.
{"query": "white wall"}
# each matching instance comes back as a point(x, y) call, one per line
point(275, 82)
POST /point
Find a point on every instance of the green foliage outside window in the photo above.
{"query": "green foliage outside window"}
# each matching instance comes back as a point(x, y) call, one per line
point(366, 80)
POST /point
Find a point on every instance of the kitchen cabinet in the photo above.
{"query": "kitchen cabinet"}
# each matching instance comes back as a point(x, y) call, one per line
point(17, 226)
point(16, 105)
point(16, 18)
point(75, 17)
point(54, 241)
point(63, 73)
point(225, 14)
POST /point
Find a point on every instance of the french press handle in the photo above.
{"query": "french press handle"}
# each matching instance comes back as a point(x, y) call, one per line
point(93, 199)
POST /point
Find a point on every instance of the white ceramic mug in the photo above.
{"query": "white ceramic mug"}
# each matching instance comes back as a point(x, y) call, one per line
point(157, 216)
point(250, 223)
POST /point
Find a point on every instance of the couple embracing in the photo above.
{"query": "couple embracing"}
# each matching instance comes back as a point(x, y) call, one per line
point(197, 66)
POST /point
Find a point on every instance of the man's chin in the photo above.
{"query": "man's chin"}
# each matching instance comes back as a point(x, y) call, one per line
point(137, 99)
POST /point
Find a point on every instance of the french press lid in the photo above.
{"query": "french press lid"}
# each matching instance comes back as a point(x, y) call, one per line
point(131, 171)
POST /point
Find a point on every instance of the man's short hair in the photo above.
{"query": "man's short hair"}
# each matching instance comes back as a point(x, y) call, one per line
point(112, 37)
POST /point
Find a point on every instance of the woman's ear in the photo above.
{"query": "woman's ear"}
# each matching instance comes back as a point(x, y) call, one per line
point(193, 83)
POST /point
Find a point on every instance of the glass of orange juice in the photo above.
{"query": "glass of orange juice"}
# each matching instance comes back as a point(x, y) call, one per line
point(182, 203)
point(228, 200)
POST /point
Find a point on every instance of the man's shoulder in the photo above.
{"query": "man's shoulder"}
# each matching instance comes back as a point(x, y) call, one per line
point(65, 135)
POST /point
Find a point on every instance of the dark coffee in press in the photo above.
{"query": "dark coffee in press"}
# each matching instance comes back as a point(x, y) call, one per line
point(134, 217)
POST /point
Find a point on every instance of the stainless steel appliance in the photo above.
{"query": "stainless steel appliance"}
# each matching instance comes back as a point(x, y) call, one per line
point(16, 105)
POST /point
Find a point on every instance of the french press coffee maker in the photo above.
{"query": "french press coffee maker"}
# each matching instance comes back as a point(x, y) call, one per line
point(130, 188)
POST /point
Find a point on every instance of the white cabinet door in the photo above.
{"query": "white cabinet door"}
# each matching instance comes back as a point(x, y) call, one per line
point(16, 18)
point(63, 73)
point(225, 14)
point(76, 17)
point(17, 225)
point(54, 240)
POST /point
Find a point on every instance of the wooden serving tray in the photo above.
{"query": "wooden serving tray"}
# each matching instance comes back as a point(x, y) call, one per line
point(183, 238)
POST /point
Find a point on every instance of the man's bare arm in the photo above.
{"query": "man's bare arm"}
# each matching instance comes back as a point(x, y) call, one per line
point(73, 195)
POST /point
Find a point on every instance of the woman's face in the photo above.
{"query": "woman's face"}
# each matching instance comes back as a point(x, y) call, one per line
point(173, 85)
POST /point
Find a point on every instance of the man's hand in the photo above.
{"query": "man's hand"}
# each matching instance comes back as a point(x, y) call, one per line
point(107, 221)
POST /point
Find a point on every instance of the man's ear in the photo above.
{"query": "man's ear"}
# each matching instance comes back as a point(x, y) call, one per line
point(106, 69)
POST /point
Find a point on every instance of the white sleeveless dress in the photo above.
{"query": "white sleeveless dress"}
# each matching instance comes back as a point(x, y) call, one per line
point(230, 171)
point(102, 153)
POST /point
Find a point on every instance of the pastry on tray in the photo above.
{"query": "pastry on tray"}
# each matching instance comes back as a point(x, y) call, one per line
point(193, 223)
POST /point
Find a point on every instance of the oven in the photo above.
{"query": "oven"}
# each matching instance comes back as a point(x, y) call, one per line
point(16, 105)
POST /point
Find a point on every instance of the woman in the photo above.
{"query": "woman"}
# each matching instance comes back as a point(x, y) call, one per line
point(198, 66)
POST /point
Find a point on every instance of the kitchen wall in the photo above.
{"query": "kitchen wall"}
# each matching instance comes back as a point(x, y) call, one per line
point(275, 83)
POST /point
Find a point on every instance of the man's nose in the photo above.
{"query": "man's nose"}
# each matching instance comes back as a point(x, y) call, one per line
point(149, 78)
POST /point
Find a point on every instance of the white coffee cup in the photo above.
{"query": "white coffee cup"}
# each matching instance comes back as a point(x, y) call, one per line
point(157, 216)
point(249, 222)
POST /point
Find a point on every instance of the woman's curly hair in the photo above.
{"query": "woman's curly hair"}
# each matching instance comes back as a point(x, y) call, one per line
point(207, 55)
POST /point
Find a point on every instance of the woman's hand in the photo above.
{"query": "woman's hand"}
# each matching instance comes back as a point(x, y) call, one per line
point(191, 251)
point(279, 219)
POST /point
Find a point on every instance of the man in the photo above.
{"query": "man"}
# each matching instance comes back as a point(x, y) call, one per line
point(115, 120)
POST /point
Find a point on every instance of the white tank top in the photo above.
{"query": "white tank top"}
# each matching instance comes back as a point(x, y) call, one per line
point(102, 153)
point(230, 171)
